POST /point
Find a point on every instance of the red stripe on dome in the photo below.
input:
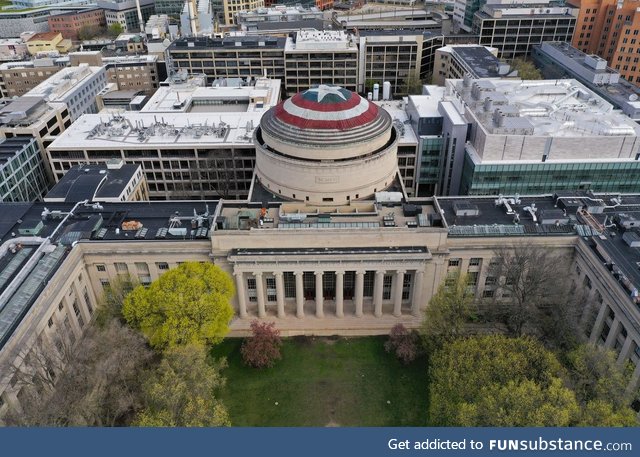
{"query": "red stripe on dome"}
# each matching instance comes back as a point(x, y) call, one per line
point(302, 102)
point(338, 124)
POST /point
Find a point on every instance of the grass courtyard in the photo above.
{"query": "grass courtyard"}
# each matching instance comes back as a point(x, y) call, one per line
point(325, 382)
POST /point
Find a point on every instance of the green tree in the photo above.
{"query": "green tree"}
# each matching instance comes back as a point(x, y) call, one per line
point(181, 392)
point(188, 304)
point(526, 69)
point(412, 85)
point(601, 387)
point(448, 312)
point(480, 381)
point(115, 29)
point(113, 296)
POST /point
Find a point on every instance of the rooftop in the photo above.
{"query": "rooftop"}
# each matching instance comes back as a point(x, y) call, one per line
point(479, 60)
point(396, 110)
point(168, 131)
point(93, 182)
point(44, 36)
point(229, 42)
point(427, 104)
point(227, 95)
point(550, 108)
point(26, 110)
point(59, 85)
point(320, 40)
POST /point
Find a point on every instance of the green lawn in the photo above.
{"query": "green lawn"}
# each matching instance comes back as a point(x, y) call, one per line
point(325, 381)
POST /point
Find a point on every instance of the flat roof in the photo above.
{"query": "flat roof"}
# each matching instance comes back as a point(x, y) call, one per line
point(396, 109)
point(92, 182)
point(549, 108)
point(228, 42)
point(135, 130)
point(44, 36)
point(259, 96)
point(427, 105)
point(480, 59)
point(61, 83)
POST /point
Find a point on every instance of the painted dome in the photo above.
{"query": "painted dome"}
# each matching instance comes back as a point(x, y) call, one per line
point(325, 123)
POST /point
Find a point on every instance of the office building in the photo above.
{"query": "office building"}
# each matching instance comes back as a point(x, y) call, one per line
point(45, 42)
point(320, 57)
point(558, 60)
point(23, 176)
point(13, 49)
point(610, 28)
point(514, 28)
point(453, 62)
point(18, 78)
point(463, 12)
point(76, 87)
point(233, 7)
point(112, 181)
point(538, 136)
point(125, 13)
point(280, 18)
point(231, 57)
point(71, 23)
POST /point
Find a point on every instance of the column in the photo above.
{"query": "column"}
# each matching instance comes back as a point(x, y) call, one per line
point(242, 295)
point(377, 293)
point(397, 300)
point(339, 293)
point(597, 327)
point(280, 294)
point(319, 295)
point(299, 295)
point(260, 293)
point(625, 353)
point(613, 333)
point(357, 299)
point(635, 379)
point(418, 285)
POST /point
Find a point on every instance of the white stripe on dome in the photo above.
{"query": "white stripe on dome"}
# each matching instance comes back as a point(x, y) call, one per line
point(306, 113)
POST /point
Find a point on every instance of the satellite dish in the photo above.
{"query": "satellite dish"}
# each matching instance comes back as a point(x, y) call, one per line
point(633, 97)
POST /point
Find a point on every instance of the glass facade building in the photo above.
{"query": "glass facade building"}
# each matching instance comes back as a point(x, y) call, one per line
point(547, 177)
point(23, 177)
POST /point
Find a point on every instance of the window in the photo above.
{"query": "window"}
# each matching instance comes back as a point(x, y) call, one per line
point(474, 261)
point(87, 301)
point(50, 322)
point(454, 262)
point(271, 288)
point(472, 278)
point(490, 281)
point(387, 280)
point(162, 265)
point(105, 283)
point(60, 306)
point(289, 285)
point(488, 293)
point(122, 268)
point(587, 282)
point(251, 288)
point(101, 267)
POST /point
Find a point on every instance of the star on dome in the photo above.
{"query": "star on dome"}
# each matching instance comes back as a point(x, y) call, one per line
point(323, 90)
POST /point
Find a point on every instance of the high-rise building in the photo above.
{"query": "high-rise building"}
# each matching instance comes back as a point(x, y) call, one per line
point(125, 13)
point(514, 28)
point(609, 29)
point(23, 175)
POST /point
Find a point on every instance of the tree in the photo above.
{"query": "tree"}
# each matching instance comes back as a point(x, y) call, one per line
point(262, 349)
point(498, 381)
point(532, 281)
point(448, 312)
point(188, 304)
point(601, 386)
point(115, 30)
point(88, 32)
point(412, 85)
point(98, 384)
point(402, 343)
point(113, 296)
point(181, 392)
point(526, 69)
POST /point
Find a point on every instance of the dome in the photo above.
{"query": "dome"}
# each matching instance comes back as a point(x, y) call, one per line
point(326, 123)
point(327, 108)
point(326, 146)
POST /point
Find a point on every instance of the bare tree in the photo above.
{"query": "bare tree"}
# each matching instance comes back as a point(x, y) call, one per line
point(532, 283)
point(95, 383)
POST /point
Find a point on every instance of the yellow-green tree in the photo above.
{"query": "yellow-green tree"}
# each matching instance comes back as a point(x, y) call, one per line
point(448, 311)
point(182, 391)
point(188, 304)
point(498, 381)
point(526, 69)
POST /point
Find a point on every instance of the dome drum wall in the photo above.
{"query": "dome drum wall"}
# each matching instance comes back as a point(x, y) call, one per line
point(326, 183)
